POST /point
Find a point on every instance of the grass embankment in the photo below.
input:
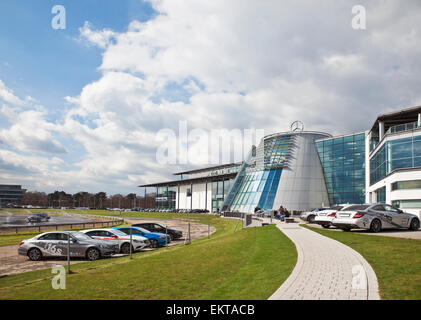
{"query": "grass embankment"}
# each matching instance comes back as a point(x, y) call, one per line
point(396, 261)
point(248, 264)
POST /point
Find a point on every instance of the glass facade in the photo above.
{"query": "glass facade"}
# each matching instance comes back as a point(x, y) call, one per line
point(258, 190)
point(395, 154)
point(219, 191)
point(343, 162)
point(166, 197)
point(381, 194)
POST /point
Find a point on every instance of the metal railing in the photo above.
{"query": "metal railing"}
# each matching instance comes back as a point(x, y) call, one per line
point(403, 127)
point(111, 221)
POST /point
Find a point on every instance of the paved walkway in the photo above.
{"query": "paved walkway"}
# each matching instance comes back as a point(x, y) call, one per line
point(326, 269)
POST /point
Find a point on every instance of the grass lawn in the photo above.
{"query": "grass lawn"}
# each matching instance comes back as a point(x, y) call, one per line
point(248, 264)
point(396, 261)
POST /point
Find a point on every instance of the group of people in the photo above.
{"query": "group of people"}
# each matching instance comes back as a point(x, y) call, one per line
point(281, 213)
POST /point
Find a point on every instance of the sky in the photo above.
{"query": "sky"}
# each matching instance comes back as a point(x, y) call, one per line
point(81, 107)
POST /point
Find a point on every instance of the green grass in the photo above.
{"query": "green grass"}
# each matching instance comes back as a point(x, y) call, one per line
point(396, 261)
point(248, 264)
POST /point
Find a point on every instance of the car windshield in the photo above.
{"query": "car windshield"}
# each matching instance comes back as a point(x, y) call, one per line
point(80, 236)
point(357, 207)
point(141, 230)
point(336, 208)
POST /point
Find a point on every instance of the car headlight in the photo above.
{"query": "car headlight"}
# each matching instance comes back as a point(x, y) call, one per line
point(162, 237)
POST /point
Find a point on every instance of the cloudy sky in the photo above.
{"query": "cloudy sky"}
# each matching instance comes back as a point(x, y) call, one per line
point(80, 108)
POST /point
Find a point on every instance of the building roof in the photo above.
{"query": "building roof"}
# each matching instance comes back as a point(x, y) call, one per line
point(228, 165)
point(188, 181)
point(397, 117)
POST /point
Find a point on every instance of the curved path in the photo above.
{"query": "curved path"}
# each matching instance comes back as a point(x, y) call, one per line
point(326, 269)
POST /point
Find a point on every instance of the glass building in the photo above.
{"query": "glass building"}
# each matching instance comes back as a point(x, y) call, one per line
point(301, 170)
point(343, 162)
point(395, 154)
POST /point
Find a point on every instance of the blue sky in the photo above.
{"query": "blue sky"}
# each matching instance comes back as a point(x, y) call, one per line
point(102, 89)
point(49, 64)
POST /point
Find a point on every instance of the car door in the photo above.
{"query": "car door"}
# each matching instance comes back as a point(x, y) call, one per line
point(399, 220)
point(50, 245)
point(380, 212)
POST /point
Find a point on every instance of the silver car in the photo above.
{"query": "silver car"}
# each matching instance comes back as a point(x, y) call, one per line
point(310, 215)
point(325, 217)
point(55, 244)
point(375, 217)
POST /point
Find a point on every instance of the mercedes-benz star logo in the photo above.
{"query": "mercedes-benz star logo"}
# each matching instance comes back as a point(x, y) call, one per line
point(297, 126)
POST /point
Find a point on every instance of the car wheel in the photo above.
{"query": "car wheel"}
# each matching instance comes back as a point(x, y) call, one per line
point(154, 243)
point(375, 226)
point(93, 254)
point(415, 225)
point(326, 226)
point(310, 219)
point(125, 248)
point(34, 254)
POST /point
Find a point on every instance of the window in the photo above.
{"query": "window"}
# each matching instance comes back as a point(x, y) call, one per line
point(51, 236)
point(381, 194)
point(188, 192)
point(378, 208)
point(395, 154)
point(343, 166)
point(403, 185)
point(390, 208)
point(407, 204)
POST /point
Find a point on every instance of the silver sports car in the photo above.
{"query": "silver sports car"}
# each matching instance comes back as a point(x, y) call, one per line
point(375, 217)
point(55, 244)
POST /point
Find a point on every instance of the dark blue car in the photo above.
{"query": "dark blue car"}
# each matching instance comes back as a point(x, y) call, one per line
point(156, 239)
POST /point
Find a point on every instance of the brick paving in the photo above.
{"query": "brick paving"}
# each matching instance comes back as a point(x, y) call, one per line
point(326, 270)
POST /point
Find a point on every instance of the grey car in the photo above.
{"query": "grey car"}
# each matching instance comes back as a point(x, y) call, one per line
point(38, 217)
point(55, 244)
point(375, 217)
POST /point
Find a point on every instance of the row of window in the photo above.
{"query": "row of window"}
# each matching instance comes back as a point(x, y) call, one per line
point(343, 163)
point(407, 204)
point(396, 154)
point(404, 185)
point(258, 189)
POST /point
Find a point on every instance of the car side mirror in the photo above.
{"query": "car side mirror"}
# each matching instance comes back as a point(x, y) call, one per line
point(74, 240)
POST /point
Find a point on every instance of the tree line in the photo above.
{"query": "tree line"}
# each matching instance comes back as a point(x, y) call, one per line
point(98, 200)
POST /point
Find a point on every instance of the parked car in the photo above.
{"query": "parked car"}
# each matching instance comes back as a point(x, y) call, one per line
point(157, 227)
point(156, 239)
point(310, 215)
point(38, 217)
point(325, 217)
point(375, 217)
point(55, 244)
point(120, 238)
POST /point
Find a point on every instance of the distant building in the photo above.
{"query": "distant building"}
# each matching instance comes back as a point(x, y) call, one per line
point(10, 194)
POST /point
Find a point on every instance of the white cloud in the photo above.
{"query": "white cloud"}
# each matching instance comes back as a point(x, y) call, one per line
point(229, 64)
